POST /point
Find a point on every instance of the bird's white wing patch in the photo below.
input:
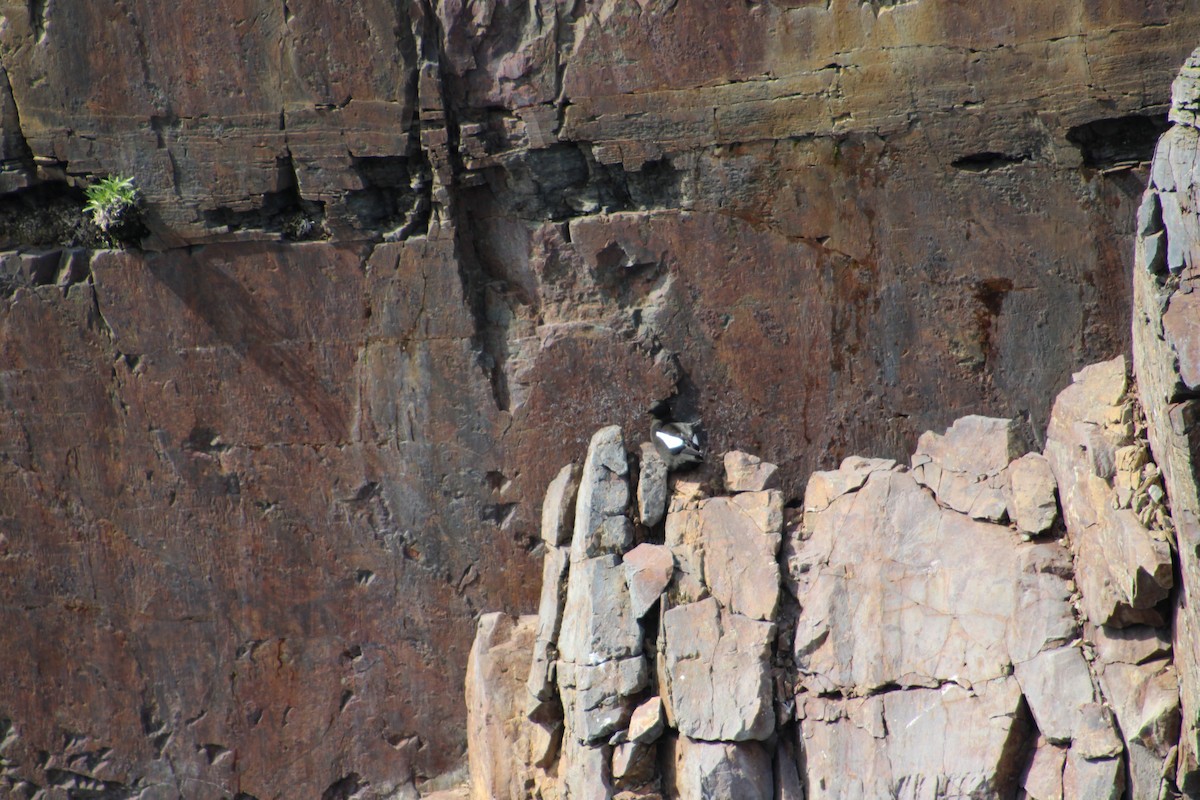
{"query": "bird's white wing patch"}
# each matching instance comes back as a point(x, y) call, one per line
point(672, 442)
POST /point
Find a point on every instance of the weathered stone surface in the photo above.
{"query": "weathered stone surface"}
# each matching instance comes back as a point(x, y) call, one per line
point(496, 704)
point(1032, 493)
point(648, 570)
point(728, 546)
point(601, 526)
point(633, 764)
point(261, 484)
point(1124, 569)
point(1164, 357)
point(1145, 699)
point(785, 221)
point(1102, 779)
point(1095, 735)
point(712, 770)
point(1133, 645)
point(598, 621)
point(549, 616)
point(601, 666)
point(1043, 778)
point(788, 785)
point(748, 473)
point(719, 673)
point(1057, 685)
point(652, 486)
point(587, 771)
point(825, 487)
point(890, 583)
point(949, 742)
point(558, 507)
point(647, 722)
point(596, 698)
point(963, 467)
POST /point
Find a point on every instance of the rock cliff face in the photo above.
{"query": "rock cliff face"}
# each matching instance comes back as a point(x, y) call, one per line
point(260, 473)
point(931, 630)
point(1166, 342)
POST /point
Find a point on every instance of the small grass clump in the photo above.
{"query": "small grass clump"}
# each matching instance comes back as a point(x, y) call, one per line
point(112, 203)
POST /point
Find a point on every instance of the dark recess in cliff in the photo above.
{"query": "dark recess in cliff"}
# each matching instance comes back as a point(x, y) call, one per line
point(283, 211)
point(48, 214)
point(1116, 141)
point(396, 196)
point(564, 181)
point(984, 162)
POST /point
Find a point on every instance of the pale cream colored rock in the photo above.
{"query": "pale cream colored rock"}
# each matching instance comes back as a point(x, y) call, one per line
point(728, 546)
point(718, 670)
point(1043, 779)
point(496, 699)
point(550, 613)
point(825, 487)
point(747, 473)
point(963, 466)
point(1032, 493)
point(1056, 684)
point(718, 770)
point(647, 722)
point(601, 526)
point(972, 445)
point(685, 492)
point(652, 486)
point(648, 570)
point(894, 589)
point(1096, 780)
point(558, 507)
point(461, 793)
point(1043, 618)
point(544, 739)
point(905, 743)
point(1128, 478)
point(1123, 568)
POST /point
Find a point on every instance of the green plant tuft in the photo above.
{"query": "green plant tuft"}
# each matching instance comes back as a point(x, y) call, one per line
point(112, 203)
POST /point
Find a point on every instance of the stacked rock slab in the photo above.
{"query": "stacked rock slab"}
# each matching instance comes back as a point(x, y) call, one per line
point(943, 631)
point(1166, 358)
point(598, 721)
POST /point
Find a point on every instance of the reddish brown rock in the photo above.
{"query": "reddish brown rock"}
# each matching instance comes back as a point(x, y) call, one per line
point(254, 467)
point(831, 220)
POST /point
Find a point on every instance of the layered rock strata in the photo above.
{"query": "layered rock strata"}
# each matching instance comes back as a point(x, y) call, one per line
point(937, 625)
point(261, 475)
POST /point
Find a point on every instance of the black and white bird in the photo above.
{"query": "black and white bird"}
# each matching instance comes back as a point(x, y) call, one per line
point(677, 442)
